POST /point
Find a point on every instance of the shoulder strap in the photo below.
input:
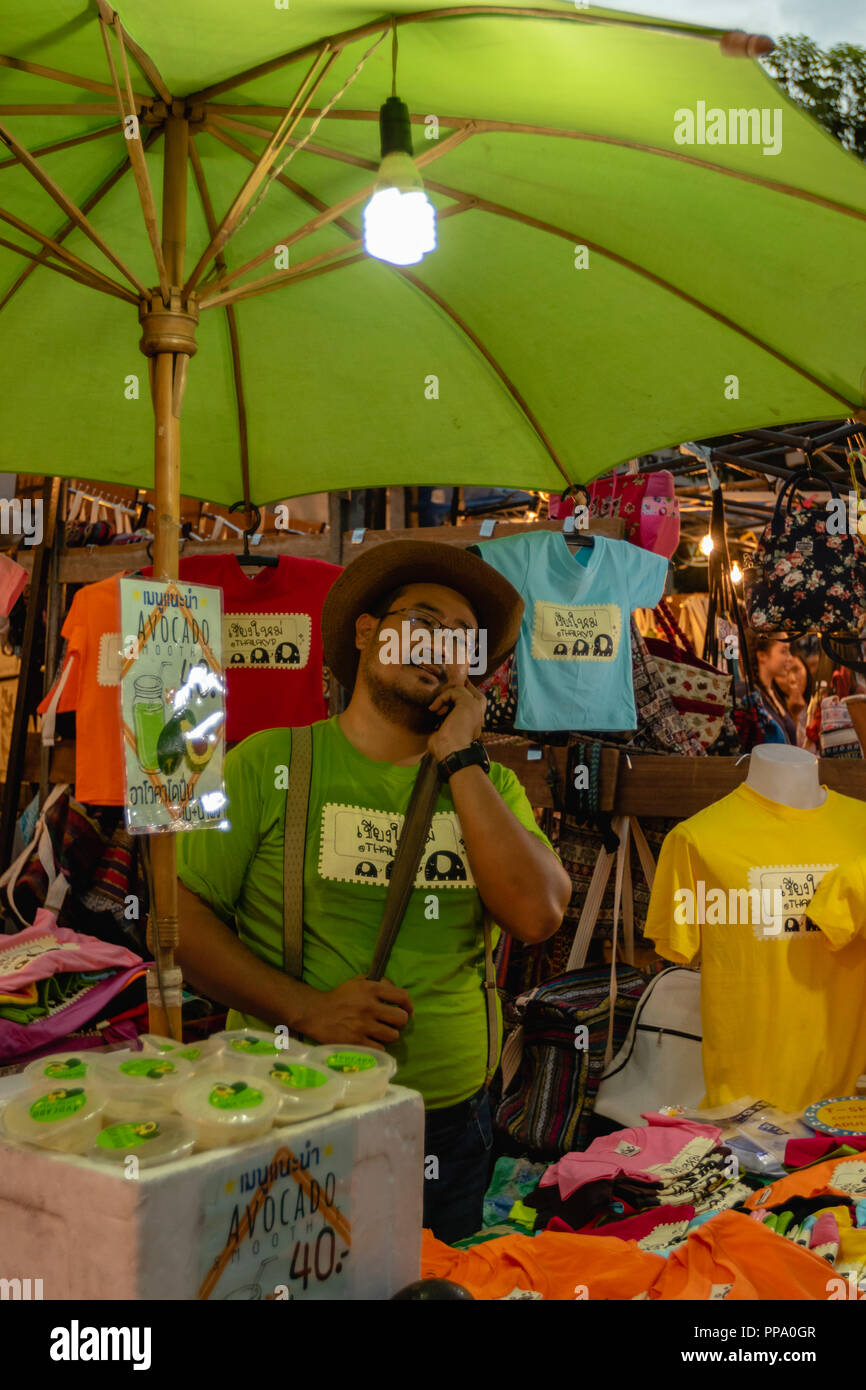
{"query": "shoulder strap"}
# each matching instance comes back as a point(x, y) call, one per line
point(295, 839)
point(404, 867)
point(490, 1000)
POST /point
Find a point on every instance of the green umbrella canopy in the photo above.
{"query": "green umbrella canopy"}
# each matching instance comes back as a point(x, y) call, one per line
point(539, 129)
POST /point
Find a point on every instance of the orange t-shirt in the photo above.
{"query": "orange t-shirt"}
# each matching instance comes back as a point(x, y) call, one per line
point(842, 1177)
point(553, 1264)
point(91, 688)
point(734, 1258)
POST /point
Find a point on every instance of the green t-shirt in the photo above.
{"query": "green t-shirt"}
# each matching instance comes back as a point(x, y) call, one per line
point(355, 814)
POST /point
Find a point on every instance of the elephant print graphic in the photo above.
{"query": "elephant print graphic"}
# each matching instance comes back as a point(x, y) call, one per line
point(576, 632)
point(358, 845)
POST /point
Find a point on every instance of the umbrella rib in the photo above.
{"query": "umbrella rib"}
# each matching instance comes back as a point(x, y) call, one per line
point(117, 291)
point(279, 138)
point(61, 253)
point(330, 214)
point(56, 192)
point(294, 187)
point(484, 126)
point(89, 203)
point(499, 210)
point(57, 108)
point(347, 36)
point(63, 144)
point(146, 65)
point(231, 318)
point(136, 155)
point(86, 84)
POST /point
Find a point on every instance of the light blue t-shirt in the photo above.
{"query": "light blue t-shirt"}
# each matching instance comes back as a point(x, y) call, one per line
point(574, 650)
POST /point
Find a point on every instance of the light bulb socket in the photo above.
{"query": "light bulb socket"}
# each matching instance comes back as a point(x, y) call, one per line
point(395, 128)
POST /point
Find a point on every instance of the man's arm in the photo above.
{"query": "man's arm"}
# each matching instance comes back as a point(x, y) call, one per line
point(521, 882)
point(215, 961)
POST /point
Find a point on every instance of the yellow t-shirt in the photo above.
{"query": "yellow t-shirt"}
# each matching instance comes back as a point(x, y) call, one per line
point(784, 1015)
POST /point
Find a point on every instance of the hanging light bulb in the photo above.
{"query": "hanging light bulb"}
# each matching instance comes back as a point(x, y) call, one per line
point(706, 544)
point(399, 220)
point(736, 573)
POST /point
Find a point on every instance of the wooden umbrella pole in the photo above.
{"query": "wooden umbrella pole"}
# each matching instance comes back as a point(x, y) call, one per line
point(169, 338)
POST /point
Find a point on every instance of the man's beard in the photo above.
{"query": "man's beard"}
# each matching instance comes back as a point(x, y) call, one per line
point(405, 708)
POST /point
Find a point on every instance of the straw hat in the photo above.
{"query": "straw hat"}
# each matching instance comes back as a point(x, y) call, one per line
point(391, 564)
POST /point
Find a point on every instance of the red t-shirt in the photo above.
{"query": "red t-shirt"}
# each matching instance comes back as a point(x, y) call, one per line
point(272, 638)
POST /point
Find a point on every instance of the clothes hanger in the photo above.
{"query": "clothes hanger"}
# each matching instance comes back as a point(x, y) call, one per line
point(268, 561)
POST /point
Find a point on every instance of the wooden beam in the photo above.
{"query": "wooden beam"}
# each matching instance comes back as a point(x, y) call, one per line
point(87, 84)
point(656, 785)
point(332, 213)
point(347, 36)
point(63, 145)
point(85, 280)
point(94, 562)
point(136, 153)
point(56, 192)
point(146, 65)
point(67, 257)
point(231, 319)
point(87, 206)
point(265, 161)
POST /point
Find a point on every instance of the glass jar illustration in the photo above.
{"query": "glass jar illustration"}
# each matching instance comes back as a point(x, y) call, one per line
point(148, 712)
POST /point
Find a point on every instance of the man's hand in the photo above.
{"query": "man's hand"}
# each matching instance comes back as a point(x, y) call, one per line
point(463, 707)
point(369, 1013)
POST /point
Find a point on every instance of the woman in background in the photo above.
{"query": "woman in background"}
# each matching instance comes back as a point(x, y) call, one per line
point(796, 685)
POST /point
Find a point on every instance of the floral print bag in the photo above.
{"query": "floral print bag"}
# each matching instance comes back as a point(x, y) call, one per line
point(804, 576)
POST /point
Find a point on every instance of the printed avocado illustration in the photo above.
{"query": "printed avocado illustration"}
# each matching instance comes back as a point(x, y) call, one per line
point(175, 743)
point(170, 745)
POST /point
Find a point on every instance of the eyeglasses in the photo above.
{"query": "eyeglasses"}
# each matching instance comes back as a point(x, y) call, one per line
point(425, 622)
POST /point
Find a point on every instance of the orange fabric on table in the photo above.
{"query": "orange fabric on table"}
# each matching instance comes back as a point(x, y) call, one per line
point(844, 1177)
point(556, 1265)
point(92, 672)
point(734, 1258)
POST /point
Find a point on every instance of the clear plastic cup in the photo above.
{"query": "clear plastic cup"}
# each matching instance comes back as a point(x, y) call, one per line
point(66, 1118)
point(59, 1068)
point(227, 1107)
point(194, 1053)
point(365, 1070)
point(305, 1090)
point(151, 1140)
point(140, 1085)
point(252, 1050)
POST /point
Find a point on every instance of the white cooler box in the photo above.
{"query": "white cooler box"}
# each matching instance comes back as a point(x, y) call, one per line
point(324, 1209)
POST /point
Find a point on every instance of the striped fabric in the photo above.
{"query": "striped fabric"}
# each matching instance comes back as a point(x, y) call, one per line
point(548, 1105)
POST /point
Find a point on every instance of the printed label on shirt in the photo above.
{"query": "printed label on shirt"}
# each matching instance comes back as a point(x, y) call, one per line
point(850, 1177)
point(719, 1291)
point(682, 1162)
point(796, 883)
point(582, 632)
point(110, 661)
point(16, 959)
point(358, 846)
point(278, 641)
point(630, 1150)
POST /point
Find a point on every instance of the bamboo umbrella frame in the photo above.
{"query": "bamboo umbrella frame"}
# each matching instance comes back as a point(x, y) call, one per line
point(168, 313)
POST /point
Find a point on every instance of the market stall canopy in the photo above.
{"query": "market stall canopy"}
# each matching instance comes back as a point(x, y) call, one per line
point(613, 274)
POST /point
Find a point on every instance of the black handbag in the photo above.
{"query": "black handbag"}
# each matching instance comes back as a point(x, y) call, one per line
point(806, 575)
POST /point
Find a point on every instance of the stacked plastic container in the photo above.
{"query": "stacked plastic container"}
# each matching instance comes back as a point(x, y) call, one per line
point(129, 1109)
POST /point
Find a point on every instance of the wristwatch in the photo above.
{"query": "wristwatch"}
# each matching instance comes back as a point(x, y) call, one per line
point(474, 755)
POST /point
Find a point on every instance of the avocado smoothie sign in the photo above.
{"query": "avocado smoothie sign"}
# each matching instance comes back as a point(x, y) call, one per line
point(172, 694)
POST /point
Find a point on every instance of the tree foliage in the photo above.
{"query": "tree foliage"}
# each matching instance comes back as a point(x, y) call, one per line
point(828, 83)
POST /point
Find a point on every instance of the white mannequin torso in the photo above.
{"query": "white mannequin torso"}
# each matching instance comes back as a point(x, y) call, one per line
point(786, 774)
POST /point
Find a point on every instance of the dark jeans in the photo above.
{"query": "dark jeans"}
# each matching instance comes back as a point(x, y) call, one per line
point(460, 1139)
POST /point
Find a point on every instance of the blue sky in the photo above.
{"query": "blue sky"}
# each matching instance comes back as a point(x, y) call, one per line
point(827, 21)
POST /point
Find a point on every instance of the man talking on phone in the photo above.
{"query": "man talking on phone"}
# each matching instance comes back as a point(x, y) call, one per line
point(402, 628)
